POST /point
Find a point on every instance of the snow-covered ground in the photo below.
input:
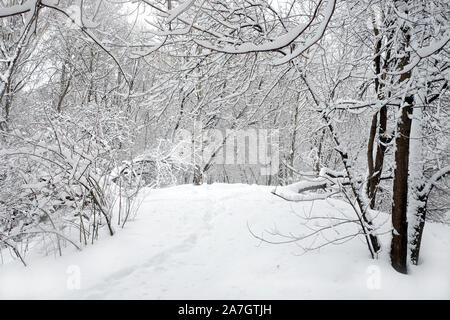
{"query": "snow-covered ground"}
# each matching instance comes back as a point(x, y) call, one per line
point(193, 242)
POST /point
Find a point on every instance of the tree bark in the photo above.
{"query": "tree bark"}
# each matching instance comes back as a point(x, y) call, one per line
point(416, 237)
point(420, 196)
point(399, 244)
point(375, 169)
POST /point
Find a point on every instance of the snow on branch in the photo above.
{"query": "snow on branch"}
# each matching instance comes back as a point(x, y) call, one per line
point(282, 41)
point(435, 46)
point(425, 52)
point(27, 6)
point(327, 179)
point(435, 178)
point(18, 9)
point(311, 41)
point(174, 13)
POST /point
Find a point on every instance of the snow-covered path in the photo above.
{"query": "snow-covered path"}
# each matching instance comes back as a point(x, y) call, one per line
point(193, 242)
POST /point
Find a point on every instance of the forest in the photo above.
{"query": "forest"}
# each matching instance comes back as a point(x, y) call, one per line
point(337, 110)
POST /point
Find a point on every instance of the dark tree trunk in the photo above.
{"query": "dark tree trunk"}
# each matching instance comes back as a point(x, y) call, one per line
point(198, 176)
point(416, 237)
point(399, 244)
point(376, 170)
point(319, 152)
point(421, 197)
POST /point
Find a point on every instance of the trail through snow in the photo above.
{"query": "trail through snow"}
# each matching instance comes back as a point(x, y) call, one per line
point(193, 242)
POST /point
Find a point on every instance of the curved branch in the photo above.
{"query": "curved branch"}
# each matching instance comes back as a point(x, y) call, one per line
point(283, 41)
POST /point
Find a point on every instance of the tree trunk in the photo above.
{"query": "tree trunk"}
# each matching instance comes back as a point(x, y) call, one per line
point(417, 228)
point(293, 140)
point(399, 244)
point(319, 152)
point(417, 203)
point(375, 169)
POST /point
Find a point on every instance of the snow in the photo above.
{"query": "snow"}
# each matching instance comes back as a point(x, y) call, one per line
point(179, 10)
point(436, 45)
point(329, 10)
point(282, 41)
point(435, 177)
point(192, 242)
point(17, 9)
point(415, 172)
